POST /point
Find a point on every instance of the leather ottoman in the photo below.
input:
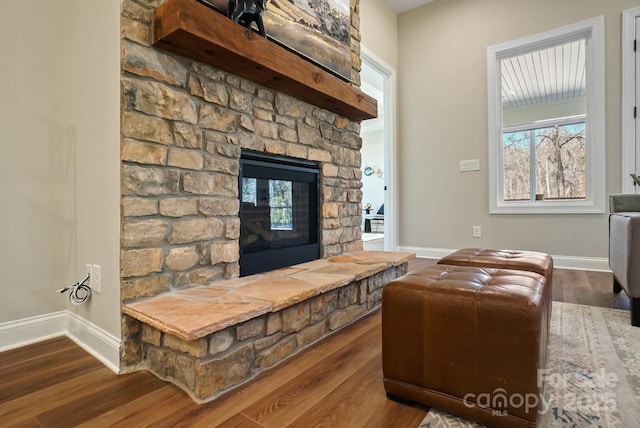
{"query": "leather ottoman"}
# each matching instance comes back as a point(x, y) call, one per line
point(468, 341)
point(507, 259)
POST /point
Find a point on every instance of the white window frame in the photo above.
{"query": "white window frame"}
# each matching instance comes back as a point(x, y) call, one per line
point(595, 201)
point(629, 89)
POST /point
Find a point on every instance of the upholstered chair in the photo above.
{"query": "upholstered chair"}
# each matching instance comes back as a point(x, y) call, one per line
point(624, 248)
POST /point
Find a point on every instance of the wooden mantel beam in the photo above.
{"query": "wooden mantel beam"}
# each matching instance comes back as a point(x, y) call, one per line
point(190, 29)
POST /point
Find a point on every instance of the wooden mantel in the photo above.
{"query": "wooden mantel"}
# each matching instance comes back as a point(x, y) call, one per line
point(191, 29)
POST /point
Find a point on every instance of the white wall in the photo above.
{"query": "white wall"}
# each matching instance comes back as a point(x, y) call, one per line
point(59, 156)
point(443, 105)
point(373, 155)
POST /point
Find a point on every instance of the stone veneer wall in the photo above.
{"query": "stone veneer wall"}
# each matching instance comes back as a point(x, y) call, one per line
point(183, 125)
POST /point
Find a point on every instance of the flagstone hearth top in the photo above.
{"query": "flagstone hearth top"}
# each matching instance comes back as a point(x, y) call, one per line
point(195, 312)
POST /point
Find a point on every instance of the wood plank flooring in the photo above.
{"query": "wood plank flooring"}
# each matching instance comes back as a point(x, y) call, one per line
point(335, 383)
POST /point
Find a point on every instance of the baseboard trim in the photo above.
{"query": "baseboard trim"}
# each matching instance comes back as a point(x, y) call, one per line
point(104, 346)
point(96, 341)
point(581, 263)
point(15, 334)
point(561, 262)
point(427, 253)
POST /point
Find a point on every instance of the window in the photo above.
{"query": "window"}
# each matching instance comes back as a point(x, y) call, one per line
point(545, 163)
point(250, 190)
point(280, 202)
point(281, 205)
point(546, 122)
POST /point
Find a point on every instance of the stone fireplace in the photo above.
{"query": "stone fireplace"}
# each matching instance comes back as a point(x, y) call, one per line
point(189, 131)
point(184, 126)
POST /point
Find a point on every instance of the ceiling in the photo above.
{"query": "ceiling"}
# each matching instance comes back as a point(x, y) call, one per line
point(401, 6)
point(548, 75)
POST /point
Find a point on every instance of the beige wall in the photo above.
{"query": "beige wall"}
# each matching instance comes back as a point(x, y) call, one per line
point(33, 257)
point(59, 156)
point(379, 30)
point(93, 144)
point(443, 119)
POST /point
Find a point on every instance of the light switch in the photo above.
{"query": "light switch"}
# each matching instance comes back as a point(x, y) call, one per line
point(470, 165)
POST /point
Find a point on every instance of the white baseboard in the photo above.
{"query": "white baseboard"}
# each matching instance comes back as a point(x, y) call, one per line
point(96, 341)
point(15, 334)
point(427, 253)
point(581, 263)
point(560, 262)
point(102, 345)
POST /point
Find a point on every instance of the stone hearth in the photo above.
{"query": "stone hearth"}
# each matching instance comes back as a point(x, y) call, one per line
point(209, 339)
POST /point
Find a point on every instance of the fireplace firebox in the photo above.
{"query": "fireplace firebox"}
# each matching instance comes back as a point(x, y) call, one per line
point(279, 212)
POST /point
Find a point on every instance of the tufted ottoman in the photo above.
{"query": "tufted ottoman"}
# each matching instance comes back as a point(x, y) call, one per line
point(468, 341)
point(507, 259)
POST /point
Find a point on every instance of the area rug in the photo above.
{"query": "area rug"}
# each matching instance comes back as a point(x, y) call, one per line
point(593, 372)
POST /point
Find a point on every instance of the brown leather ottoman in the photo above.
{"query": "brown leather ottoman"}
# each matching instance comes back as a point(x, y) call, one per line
point(468, 341)
point(507, 259)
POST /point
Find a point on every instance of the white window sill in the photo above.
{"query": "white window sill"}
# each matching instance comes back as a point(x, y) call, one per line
point(547, 207)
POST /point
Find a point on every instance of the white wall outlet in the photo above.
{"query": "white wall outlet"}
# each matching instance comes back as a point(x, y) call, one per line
point(477, 232)
point(87, 271)
point(470, 165)
point(95, 278)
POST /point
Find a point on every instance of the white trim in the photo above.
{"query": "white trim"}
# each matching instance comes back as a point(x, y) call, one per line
point(598, 264)
point(559, 262)
point(595, 202)
point(628, 98)
point(102, 345)
point(427, 253)
point(15, 334)
point(391, 196)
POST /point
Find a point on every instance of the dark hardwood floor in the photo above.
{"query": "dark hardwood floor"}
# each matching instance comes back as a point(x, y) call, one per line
point(335, 383)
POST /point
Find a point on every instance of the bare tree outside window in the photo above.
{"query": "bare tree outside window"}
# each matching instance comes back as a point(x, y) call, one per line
point(517, 165)
point(560, 162)
point(558, 153)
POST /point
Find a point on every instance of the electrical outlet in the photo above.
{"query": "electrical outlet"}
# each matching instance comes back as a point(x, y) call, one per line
point(95, 278)
point(477, 232)
point(87, 271)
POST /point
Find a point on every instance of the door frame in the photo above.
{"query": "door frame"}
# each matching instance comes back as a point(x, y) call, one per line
point(390, 150)
point(630, 141)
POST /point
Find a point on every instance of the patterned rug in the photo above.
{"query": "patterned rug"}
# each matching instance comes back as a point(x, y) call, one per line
point(593, 377)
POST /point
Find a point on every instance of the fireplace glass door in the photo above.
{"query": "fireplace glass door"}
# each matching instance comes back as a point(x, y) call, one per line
point(278, 213)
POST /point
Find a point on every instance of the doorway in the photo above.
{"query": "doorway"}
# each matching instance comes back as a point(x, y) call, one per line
point(378, 157)
point(630, 99)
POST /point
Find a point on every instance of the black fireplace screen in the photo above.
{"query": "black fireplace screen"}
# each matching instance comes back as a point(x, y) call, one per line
point(278, 212)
